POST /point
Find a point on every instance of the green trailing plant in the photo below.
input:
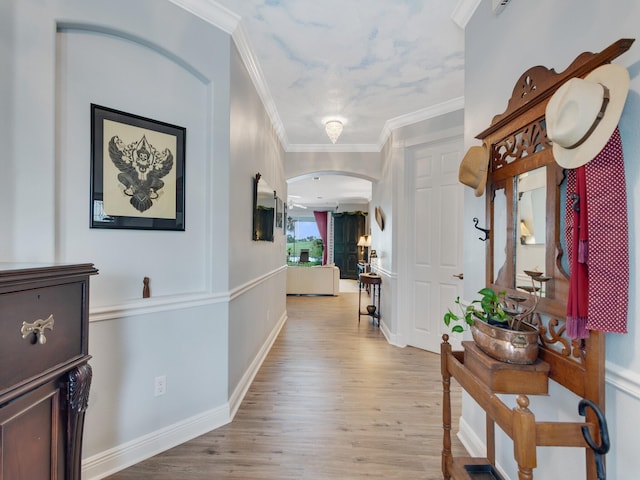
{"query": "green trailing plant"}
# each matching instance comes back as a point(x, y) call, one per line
point(489, 308)
point(499, 309)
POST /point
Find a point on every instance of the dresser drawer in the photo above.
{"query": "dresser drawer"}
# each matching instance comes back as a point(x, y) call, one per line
point(24, 358)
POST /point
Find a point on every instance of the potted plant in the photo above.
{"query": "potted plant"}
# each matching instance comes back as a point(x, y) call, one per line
point(499, 322)
point(488, 308)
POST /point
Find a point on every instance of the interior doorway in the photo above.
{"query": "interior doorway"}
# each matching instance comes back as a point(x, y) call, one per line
point(434, 200)
point(345, 197)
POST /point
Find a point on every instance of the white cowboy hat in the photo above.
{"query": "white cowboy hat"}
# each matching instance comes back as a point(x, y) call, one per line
point(473, 169)
point(583, 113)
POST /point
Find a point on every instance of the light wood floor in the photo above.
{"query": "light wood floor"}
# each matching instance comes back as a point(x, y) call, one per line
point(333, 400)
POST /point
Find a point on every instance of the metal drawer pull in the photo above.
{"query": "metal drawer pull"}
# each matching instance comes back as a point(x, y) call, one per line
point(38, 328)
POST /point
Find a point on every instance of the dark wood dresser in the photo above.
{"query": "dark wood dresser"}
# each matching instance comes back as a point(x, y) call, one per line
point(44, 374)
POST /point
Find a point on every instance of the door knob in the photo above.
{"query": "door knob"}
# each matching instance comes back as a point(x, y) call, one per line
point(460, 276)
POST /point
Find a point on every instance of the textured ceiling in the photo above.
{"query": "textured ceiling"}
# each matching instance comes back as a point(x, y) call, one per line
point(373, 64)
point(365, 62)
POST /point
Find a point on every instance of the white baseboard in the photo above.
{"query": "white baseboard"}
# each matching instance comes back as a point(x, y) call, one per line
point(392, 338)
point(475, 445)
point(123, 456)
point(241, 389)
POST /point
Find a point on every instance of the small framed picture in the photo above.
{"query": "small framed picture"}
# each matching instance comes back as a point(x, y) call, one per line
point(279, 212)
point(137, 172)
point(284, 218)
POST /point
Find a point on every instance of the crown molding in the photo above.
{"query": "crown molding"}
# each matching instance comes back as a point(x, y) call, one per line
point(243, 44)
point(418, 116)
point(211, 12)
point(464, 11)
point(229, 22)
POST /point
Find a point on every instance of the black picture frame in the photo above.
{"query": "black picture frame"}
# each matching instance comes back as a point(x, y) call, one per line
point(279, 212)
point(284, 219)
point(137, 172)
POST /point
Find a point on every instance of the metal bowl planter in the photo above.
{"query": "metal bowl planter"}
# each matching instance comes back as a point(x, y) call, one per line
point(512, 346)
point(516, 340)
point(499, 322)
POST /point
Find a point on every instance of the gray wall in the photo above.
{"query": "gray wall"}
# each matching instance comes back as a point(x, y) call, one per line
point(360, 164)
point(255, 148)
point(214, 309)
point(390, 194)
point(7, 64)
point(498, 50)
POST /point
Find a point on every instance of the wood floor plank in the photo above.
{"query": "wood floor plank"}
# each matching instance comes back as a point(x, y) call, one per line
point(333, 400)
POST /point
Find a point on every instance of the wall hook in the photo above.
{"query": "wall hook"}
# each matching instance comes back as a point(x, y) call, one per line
point(484, 230)
point(575, 202)
point(603, 447)
point(146, 291)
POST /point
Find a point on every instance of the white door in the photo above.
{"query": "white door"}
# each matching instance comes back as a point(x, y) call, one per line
point(434, 237)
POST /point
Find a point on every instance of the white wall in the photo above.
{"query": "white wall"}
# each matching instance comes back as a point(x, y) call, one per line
point(7, 179)
point(498, 50)
point(361, 164)
point(215, 305)
point(382, 241)
point(112, 70)
point(391, 195)
point(258, 269)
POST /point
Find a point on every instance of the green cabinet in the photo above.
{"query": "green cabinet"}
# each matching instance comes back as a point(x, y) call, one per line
point(347, 229)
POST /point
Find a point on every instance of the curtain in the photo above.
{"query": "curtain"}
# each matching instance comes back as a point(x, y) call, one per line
point(321, 221)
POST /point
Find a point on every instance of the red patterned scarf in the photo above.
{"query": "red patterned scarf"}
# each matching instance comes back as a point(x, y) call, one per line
point(606, 259)
point(577, 249)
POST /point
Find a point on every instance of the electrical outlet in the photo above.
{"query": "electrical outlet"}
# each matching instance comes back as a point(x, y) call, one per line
point(160, 386)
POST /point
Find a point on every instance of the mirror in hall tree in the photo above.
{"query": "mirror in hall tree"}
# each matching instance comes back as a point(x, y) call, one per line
point(531, 220)
point(524, 213)
point(264, 206)
point(499, 237)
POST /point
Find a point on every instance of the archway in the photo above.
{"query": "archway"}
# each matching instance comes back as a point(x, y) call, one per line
point(313, 201)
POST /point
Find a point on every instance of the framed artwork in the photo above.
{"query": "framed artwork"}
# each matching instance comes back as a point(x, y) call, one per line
point(279, 212)
point(284, 219)
point(137, 172)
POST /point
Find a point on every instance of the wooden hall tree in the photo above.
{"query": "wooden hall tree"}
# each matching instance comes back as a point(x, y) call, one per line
point(517, 143)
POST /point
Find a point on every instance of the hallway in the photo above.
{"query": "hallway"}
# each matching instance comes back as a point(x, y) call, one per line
point(333, 400)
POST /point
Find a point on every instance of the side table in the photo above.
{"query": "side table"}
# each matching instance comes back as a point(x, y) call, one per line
point(373, 281)
point(364, 268)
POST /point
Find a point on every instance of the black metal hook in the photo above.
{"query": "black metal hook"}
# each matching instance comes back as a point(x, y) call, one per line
point(575, 202)
point(484, 230)
point(603, 448)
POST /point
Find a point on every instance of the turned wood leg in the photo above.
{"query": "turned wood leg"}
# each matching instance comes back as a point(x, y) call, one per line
point(524, 438)
point(79, 383)
point(447, 457)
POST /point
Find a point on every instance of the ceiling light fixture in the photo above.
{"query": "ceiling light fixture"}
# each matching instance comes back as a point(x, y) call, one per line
point(333, 129)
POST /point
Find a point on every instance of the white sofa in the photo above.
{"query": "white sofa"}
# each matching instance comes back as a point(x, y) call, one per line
point(318, 280)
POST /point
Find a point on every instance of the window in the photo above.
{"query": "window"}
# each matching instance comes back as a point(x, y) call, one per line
point(302, 234)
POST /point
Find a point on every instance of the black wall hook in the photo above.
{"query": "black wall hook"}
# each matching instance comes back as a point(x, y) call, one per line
point(575, 202)
point(484, 230)
point(603, 448)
